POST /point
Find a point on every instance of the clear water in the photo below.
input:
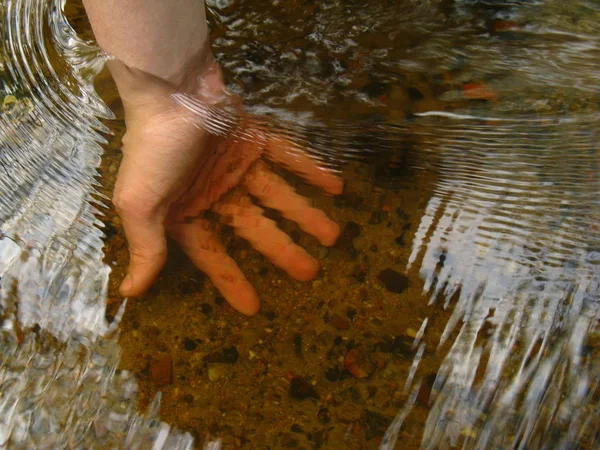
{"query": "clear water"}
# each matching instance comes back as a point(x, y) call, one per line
point(495, 102)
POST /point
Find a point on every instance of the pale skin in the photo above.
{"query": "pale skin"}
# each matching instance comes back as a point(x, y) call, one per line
point(173, 171)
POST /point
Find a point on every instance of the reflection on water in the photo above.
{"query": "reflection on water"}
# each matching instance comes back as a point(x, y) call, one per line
point(490, 109)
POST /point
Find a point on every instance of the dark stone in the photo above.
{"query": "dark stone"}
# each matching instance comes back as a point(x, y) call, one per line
point(424, 394)
point(206, 309)
point(296, 429)
point(340, 323)
point(228, 355)
point(346, 240)
point(263, 271)
point(375, 89)
point(352, 200)
point(393, 281)
point(270, 315)
point(219, 300)
point(332, 374)
point(400, 240)
point(189, 287)
point(374, 423)
point(189, 399)
point(374, 248)
point(400, 345)
point(298, 344)
point(189, 344)
point(402, 215)
point(301, 389)
point(377, 217)
point(359, 274)
point(415, 94)
point(338, 340)
point(351, 313)
point(324, 415)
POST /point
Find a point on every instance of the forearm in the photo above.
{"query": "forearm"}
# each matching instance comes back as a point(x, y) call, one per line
point(160, 37)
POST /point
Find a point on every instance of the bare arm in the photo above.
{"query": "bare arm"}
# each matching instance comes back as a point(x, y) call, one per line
point(160, 37)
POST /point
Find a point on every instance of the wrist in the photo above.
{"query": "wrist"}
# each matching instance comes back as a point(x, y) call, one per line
point(199, 77)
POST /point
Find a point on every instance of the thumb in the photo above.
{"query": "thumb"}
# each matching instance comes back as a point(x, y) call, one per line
point(145, 232)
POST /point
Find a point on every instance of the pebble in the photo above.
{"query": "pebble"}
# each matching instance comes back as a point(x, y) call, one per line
point(216, 371)
point(228, 355)
point(358, 363)
point(393, 281)
point(377, 217)
point(160, 370)
point(340, 323)
point(322, 252)
point(346, 240)
point(301, 389)
point(189, 344)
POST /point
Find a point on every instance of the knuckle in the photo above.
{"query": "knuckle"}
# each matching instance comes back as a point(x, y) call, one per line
point(128, 204)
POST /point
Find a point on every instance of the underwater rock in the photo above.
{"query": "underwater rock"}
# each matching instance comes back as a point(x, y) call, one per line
point(358, 363)
point(301, 389)
point(346, 240)
point(161, 370)
point(228, 355)
point(340, 323)
point(393, 281)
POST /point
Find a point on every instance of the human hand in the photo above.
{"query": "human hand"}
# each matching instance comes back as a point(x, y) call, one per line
point(173, 171)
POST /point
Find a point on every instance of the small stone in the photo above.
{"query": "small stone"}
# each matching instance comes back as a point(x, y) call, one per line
point(377, 217)
point(374, 424)
point(298, 344)
point(322, 252)
point(340, 323)
point(206, 309)
point(189, 344)
point(424, 394)
point(216, 371)
point(332, 374)
point(411, 332)
point(375, 89)
point(324, 415)
point(346, 240)
point(359, 273)
point(296, 429)
point(228, 355)
point(301, 389)
point(160, 371)
point(393, 281)
point(358, 363)
point(415, 95)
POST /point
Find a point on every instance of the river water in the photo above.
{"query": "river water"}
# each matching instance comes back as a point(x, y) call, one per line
point(467, 131)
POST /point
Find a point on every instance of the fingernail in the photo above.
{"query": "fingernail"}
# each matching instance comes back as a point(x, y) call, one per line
point(127, 284)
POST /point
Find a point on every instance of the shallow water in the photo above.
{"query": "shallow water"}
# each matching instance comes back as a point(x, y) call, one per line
point(467, 134)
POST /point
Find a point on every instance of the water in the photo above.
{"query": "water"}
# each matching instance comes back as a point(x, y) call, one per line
point(478, 119)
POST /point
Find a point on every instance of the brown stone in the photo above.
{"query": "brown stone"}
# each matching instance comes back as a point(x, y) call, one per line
point(161, 370)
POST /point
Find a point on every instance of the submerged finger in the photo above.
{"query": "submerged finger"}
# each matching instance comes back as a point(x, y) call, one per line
point(143, 224)
point(275, 193)
point(263, 234)
point(294, 158)
point(207, 253)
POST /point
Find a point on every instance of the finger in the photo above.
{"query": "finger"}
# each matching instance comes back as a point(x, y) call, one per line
point(208, 254)
point(262, 233)
point(275, 193)
point(147, 244)
point(295, 159)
